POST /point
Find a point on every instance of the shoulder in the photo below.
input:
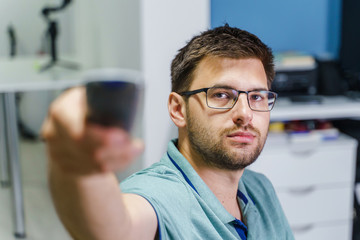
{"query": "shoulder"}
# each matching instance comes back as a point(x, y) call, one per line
point(255, 179)
point(263, 194)
point(259, 187)
point(159, 184)
point(168, 194)
point(157, 177)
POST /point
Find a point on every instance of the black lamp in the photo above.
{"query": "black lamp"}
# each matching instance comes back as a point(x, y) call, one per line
point(52, 34)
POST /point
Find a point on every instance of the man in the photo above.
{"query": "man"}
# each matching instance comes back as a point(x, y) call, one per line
point(220, 102)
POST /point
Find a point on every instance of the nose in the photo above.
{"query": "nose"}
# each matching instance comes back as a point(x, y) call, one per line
point(241, 112)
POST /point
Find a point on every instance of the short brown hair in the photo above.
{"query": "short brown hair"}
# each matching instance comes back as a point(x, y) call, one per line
point(224, 41)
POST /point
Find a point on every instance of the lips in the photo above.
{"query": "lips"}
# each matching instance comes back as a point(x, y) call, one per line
point(242, 137)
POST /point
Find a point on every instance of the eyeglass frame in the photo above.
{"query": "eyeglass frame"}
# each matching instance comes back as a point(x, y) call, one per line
point(190, 93)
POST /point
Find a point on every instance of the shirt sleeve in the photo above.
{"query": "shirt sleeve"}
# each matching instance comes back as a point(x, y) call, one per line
point(167, 194)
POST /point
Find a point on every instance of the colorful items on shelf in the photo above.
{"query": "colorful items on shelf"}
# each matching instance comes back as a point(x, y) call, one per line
point(306, 128)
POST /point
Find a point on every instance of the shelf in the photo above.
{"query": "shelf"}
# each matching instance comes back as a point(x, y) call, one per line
point(329, 108)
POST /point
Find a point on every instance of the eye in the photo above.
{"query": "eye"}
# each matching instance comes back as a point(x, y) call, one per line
point(220, 94)
point(257, 96)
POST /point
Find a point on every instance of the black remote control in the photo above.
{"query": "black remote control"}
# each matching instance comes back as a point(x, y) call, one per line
point(113, 100)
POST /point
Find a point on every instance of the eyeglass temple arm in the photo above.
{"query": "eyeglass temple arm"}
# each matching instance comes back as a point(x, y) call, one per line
point(189, 93)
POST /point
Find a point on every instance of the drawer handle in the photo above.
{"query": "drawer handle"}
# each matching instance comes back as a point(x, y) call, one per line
point(303, 152)
point(302, 229)
point(305, 147)
point(302, 191)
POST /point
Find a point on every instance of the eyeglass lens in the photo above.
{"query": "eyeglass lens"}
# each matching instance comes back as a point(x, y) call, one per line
point(226, 98)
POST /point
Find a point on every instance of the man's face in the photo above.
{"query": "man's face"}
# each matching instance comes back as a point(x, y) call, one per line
point(231, 138)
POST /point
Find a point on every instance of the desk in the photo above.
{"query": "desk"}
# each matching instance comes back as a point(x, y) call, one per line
point(16, 76)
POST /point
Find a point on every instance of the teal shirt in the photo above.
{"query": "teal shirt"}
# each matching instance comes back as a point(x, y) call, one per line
point(187, 209)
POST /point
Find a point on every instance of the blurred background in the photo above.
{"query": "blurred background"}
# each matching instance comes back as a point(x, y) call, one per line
point(316, 45)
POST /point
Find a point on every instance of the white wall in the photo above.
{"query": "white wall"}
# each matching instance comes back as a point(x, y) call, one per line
point(166, 26)
point(143, 35)
point(30, 26)
point(137, 34)
point(107, 33)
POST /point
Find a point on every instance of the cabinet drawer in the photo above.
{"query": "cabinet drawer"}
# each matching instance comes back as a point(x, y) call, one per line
point(313, 205)
point(332, 231)
point(308, 163)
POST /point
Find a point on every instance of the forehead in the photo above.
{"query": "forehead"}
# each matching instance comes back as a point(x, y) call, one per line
point(241, 74)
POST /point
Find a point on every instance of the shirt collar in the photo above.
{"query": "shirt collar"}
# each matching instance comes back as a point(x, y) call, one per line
point(179, 162)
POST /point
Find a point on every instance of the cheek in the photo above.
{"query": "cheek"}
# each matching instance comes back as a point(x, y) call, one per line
point(261, 122)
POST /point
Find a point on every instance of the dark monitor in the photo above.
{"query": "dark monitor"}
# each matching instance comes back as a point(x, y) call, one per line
point(349, 56)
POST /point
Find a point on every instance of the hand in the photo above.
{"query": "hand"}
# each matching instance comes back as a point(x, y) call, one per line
point(80, 147)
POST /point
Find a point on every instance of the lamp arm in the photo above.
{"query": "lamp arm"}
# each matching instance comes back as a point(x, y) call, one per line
point(47, 10)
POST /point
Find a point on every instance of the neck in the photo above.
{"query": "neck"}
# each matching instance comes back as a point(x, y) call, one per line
point(223, 183)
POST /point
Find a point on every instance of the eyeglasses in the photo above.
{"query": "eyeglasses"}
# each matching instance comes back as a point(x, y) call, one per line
point(226, 98)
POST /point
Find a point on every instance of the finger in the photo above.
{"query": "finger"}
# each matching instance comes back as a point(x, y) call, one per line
point(119, 157)
point(46, 129)
point(67, 113)
point(107, 136)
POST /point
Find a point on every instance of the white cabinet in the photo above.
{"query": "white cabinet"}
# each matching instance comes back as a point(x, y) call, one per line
point(314, 181)
point(338, 230)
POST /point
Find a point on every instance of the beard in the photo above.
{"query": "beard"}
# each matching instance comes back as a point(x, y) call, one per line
point(212, 148)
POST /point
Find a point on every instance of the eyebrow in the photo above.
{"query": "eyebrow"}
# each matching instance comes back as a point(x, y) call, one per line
point(230, 87)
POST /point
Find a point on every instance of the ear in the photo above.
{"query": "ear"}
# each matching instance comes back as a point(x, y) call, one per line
point(177, 109)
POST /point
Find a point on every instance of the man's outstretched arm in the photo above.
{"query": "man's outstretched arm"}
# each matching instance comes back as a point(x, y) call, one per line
point(84, 188)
